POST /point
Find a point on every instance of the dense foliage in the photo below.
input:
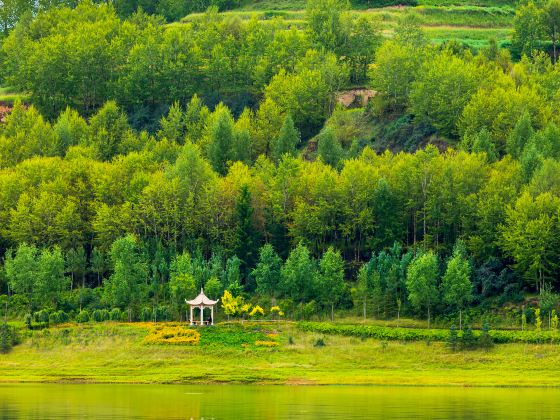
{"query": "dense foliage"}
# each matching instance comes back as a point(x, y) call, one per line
point(153, 160)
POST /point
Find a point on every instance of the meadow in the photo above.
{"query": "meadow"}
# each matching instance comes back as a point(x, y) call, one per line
point(229, 353)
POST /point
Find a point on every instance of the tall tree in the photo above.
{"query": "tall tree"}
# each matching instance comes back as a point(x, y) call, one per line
point(267, 271)
point(421, 282)
point(221, 139)
point(127, 285)
point(247, 236)
point(457, 286)
point(329, 148)
point(286, 141)
point(330, 278)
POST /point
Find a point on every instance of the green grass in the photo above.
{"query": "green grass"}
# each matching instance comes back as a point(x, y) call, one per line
point(8, 95)
point(115, 353)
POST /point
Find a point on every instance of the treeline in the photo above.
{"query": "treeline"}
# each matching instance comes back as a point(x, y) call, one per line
point(85, 56)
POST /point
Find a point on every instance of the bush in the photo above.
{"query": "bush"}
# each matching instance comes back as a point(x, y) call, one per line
point(115, 314)
point(41, 316)
point(453, 339)
point(100, 315)
point(27, 319)
point(320, 342)
point(8, 338)
point(58, 317)
point(163, 313)
point(417, 334)
point(83, 316)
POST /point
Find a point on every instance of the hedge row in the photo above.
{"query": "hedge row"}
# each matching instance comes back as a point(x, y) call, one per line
point(417, 334)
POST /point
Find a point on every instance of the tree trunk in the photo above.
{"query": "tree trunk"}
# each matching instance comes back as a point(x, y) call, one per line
point(460, 319)
point(364, 309)
point(332, 311)
point(428, 317)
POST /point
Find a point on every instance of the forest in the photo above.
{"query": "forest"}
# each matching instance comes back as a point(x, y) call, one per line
point(149, 157)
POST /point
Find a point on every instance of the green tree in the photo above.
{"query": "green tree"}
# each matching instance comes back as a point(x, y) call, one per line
point(286, 141)
point(323, 22)
point(221, 139)
point(50, 281)
point(172, 126)
point(551, 21)
point(329, 148)
point(519, 137)
point(98, 265)
point(22, 270)
point(267, 271)
point(246, 235)
point(456, 285)
point(330, 278)
point(528, 28)
point(297, 274)
point(127, 285)
point(421, 282)
point(109, 128)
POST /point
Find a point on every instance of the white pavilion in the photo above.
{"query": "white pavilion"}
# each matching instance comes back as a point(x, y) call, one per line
point(201, 302)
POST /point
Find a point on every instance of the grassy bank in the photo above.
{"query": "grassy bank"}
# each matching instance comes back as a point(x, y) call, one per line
point(117, 353)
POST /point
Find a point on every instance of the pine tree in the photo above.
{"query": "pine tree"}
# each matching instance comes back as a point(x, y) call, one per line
point(482, 143)
point(329, 148)
point(173, 126)
point(287, 140)
point(247, 237)
point(221, 139)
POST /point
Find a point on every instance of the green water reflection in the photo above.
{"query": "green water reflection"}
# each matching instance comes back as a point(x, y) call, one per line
point(50, 401)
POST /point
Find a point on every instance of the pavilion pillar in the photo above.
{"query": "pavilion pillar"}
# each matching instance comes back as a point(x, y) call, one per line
point(201, 315)
point(212, 314)
point(191, 318)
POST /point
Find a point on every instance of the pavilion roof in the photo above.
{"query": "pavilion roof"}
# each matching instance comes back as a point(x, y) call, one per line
point(201, 299)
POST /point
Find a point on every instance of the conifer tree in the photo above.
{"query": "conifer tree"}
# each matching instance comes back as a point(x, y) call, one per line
point(287, 140)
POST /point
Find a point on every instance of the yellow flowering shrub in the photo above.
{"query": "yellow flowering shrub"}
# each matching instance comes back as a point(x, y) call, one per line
point(266, 343)
point(169, 334)
point(257, 311)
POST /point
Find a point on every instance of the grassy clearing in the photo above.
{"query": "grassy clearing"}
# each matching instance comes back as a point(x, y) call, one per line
point(9, 96)
point(111, 353)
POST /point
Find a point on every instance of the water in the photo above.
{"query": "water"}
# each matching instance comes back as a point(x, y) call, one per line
point(54, 401)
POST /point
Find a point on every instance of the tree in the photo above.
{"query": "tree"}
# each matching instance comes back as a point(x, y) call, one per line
point(442, 89)
point(213, 287)
point(421, 282)
point(22, 270)
point(267, 271)
point(182, 284)
point(519, 137)
point(297, 274)
point(98, 265)
point(330, 278)
point(482, 143)
point(551, 21)
point(528, 28)
point(172, 127)
point(51, 281)
point(109, 128)
point(286, 141)
point(221, 139)
point(329, 148)
point(323, 20)
point(76, 265)
point(127, 285)
point(530, 236)
point(246, 236)
point(456, 284)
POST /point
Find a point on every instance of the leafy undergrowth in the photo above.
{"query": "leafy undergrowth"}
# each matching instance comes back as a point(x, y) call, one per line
point(417, 334)
point(237, 335)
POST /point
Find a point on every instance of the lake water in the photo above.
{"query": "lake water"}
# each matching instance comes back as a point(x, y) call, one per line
point(54, 401)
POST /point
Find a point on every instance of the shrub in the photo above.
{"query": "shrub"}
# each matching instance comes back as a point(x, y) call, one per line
point(8, 337)
point(256, 312)
point(41, 316)
point(100, 315)
point(27, 319)
point(320, 342)
point(58, 317)
point(83, 316)
point(115, 314)
point(452, 340)
point(260, 343)
point(417, 334)
point(163, 313)
point(485, 341)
